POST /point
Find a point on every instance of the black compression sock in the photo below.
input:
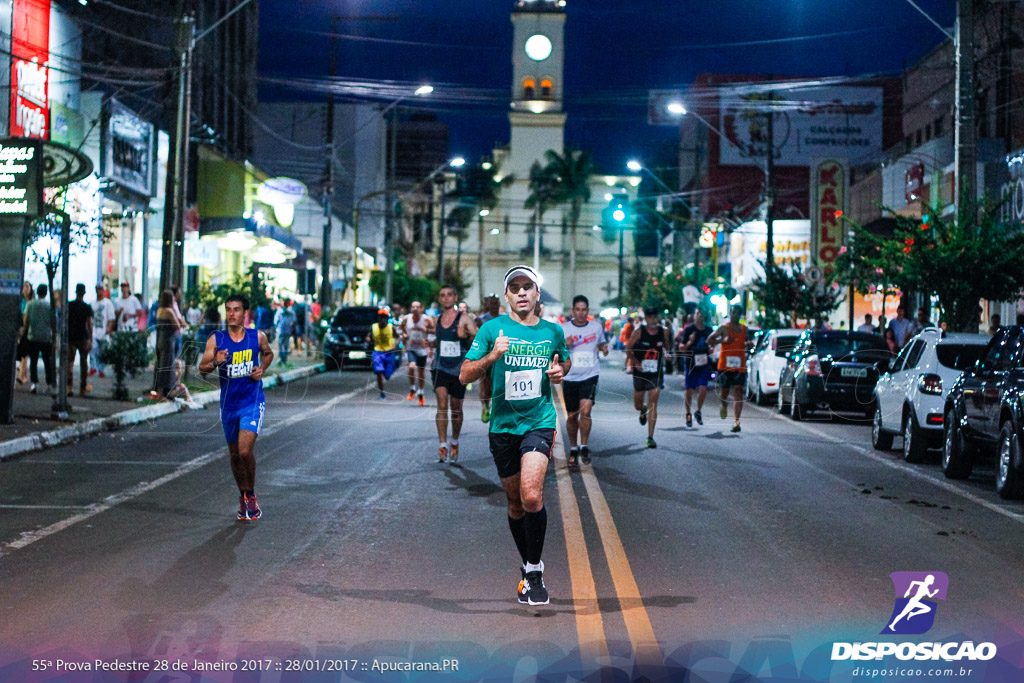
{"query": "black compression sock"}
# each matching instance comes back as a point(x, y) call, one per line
point(518, 529)
point(536, 527)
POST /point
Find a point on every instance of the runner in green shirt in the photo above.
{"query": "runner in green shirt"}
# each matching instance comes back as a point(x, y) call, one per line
point(523, 355)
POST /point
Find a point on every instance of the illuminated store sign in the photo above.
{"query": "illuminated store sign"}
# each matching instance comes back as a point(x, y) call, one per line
point(30, 51)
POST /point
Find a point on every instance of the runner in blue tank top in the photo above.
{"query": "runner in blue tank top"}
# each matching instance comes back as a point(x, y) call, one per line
point(241, 356)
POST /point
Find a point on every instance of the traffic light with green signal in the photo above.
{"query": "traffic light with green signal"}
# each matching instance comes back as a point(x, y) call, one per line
point(616, 216)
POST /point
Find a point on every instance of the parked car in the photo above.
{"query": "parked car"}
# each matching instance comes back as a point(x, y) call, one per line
point(834, 370)
point(345, 342)
point(984, 414)
point(766, 362)
point(910, 397)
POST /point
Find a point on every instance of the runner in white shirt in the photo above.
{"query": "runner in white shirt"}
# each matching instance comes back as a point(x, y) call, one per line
point(584, 338)
point(416, 329)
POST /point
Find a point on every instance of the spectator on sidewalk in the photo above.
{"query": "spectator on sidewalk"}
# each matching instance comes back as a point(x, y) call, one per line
point(129, 309)
point(264, 322)
point(168, 325)
point(193, 316)
point(40, 338)
point(867, 326)
point(901, 326)
point(104, 323)
point(300, 310)
point(284, 325)
point(80, 333)
point(27, 294)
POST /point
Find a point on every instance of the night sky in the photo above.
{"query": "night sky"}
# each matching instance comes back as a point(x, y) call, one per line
point(615, 51)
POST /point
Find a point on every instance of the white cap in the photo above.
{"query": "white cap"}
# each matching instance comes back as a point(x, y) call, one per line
point(524, 271)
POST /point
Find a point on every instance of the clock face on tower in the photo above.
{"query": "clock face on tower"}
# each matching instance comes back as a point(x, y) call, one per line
point(538, 47)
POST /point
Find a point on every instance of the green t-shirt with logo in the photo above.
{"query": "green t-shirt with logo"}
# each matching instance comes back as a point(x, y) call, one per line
point(520, 387)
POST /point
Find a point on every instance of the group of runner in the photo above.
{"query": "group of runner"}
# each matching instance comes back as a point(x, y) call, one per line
point(517, 358)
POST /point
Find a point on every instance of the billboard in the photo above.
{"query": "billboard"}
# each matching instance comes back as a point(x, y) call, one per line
point(834, 121)
point(129, 151)
point(30, 52)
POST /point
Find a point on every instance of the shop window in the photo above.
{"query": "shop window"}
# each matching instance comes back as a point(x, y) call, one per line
point(917, 138)
point(937, 128)
point(529, 89)
point(546, 89)
point(927, 132)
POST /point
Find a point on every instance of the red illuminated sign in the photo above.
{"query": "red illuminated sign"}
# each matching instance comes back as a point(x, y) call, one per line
point(30, 52)
point(830, 188)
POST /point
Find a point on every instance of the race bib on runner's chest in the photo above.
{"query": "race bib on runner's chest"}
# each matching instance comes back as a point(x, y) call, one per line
point(583, 359)
point(521, 385)
point(451, 349)
point(733, 362)
point(649, 365)
point(700, 359)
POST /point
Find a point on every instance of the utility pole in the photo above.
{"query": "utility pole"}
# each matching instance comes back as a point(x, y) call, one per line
point(171, 263)
point(966, 164)
point(389, 218)
point(326, 291)
point(769, 215)
point(441, 181)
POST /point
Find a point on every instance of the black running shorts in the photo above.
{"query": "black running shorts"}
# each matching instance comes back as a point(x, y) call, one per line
point(648, 382)
point(442, 380)
point(508, 449)
point(731, 379)
point(574, 392)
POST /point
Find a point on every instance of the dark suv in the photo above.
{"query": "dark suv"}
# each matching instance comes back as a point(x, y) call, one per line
point(832, 369)
point(983, 414)
point(345, 342)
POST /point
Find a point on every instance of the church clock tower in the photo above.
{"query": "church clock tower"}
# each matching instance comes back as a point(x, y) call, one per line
point(538, 59)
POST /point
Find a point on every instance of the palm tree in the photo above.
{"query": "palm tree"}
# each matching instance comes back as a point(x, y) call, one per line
point(541, 199)
point(569, 177)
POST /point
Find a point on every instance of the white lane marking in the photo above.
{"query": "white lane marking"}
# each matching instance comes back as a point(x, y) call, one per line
point(41, 507)
point(155, 463)
point(29, 537)
point(912, 471)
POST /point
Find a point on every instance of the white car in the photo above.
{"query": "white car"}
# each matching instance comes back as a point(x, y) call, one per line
point(766, 362)
point(909, 398)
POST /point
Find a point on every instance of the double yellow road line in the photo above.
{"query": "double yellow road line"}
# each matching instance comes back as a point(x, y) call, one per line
point(589, 620)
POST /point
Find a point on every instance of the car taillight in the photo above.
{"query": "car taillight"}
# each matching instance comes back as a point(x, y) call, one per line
point(930, 384)
point(813, 366)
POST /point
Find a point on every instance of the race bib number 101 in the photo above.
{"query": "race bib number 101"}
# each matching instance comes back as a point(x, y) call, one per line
point(521, 385)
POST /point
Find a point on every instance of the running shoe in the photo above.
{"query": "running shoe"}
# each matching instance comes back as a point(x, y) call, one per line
point(453, 454)
point(585, 454)
point(573, 459)
point(383, 396)
point(485, 414)
point(536, 592)
point(723, 412)
point(650, 443)
point(521, 591)
point(253, 507)
point(92, 371)
point(735, 428)
point(643, 415)
point(699, 417)
point(243, 509)
point(689, 420)
point(442, 454)
point(412, 395)
point(423, 401)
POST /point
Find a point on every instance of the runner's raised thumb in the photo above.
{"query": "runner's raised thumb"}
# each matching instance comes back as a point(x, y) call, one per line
point(554, 360)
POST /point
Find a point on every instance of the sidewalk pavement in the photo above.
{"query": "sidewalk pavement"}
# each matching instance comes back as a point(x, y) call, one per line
point(35, 428)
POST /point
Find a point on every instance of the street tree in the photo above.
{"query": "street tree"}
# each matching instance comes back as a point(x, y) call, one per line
point(542, 198)
point(791, 297)
point(960, 259)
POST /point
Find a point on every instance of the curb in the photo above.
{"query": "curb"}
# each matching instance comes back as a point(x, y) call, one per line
point(64, 435)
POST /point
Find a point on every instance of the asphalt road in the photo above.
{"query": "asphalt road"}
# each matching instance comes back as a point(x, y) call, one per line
point(725, 554)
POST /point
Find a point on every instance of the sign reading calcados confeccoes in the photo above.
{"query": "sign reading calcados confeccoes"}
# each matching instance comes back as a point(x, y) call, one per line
point(21, 169)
